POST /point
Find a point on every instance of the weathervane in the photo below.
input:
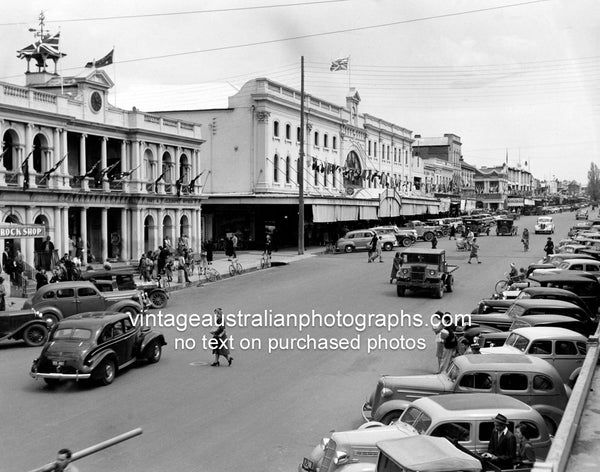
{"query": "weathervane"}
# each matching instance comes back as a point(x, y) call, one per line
point(46, 47)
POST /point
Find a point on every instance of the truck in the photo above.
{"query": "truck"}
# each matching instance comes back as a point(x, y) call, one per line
point(425, 269)
point(424, 231)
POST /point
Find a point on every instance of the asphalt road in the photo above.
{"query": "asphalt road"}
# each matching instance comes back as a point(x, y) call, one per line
point(268, 409)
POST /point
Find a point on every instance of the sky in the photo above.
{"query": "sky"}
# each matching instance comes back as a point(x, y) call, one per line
point(516, 79)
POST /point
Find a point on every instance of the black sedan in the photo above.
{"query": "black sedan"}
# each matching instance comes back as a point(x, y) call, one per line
point(95, 345)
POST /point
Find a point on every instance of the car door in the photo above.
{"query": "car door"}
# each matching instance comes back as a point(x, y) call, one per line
point(89, 299)
point(567, 358)
point(363, 239)
point(65, 301)
point(516, 385)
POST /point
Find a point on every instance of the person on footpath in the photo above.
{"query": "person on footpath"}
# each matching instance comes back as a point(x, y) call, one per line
point(525, 240)
point(502, 449)
point(372, 247)
point(396, 264)
point(474, 251)
point(220, 339)
point(450, 340)
point(549, 247)
point(437, 327)
point(434, 242)
point(41, 278)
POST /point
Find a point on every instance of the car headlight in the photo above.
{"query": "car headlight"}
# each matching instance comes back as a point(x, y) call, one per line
point(340, 458)
point(324, 443)
point(386, 392)
point(432, 272)
point(405, 271)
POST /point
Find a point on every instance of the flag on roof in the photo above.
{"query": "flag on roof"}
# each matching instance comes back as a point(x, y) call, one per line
point(28, 50)
point(49, 45)
point(339, 64)
point(103, 62)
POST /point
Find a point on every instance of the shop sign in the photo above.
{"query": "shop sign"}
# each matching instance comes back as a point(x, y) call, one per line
point(22, 231)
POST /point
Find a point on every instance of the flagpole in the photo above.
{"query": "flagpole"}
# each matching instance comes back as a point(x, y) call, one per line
point(349, 75)
point(115, 74)
point(301, 165)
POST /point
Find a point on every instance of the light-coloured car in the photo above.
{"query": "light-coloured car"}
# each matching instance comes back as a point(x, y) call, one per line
point(563, 348)
point(468, 419)
point(545, 224)
point(587, 265)
point(582, 214)
point(404, 237)
point(361, 239)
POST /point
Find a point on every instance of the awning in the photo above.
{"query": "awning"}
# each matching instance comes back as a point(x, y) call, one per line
point(444, 205)
point(369, 213)
point(332, 213)
point(407, 209)
point(346, 212)
point(323, 213)
point(467, 205)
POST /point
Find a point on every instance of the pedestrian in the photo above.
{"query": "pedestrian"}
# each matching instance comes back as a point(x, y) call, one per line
point(463, 346)
point(79, 248)
point(525, 451)
point(161, 261)
point(220, 340)
point(452, 232)
point(525, 240)
point(41, 278)
point(203, 259)
point(502, 448)
point(167, 244)
point(470, 236)
point(450, 343)
point(229, 252)
point(48, 250)
point(19, 268)
point(63, 462)
point(234, 240)
point(372, 247)
point(378, 249)
point(549, 247)
point(181, 265)
point(396, 264)
point(2, 295)
point(474, 251)
point(434, 242)
point(437, 327)
point(72, 246)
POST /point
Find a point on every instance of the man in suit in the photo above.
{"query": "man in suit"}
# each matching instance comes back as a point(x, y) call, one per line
point(502, 449)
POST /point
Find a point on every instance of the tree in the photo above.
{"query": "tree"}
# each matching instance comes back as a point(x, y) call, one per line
point(593, 187)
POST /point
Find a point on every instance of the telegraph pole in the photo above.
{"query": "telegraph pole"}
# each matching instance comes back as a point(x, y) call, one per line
point(301, 165)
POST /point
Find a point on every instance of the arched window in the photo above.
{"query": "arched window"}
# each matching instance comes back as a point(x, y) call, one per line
point(316, 138)
point(288, 131)
point(334, 142)
point(298, 134)
point(276, 168)
point(276, 129)
point(325, 141)
point(287, 170)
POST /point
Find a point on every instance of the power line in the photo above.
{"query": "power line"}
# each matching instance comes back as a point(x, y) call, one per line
point(192, 12)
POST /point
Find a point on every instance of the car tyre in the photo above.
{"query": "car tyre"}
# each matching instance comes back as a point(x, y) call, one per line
point(428, 236)
point(35, 335)
point(439, 291)
point(401, 291)
point(158, 299)
point(107, 371)
point(391, 417)
point(449, 282)
point(50, 319)
point(154, 352)
point(550, 425)
point(388, 246)
point(348, 249)
point(406, 242)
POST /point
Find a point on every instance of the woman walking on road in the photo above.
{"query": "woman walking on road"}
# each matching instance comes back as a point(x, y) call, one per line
point(474, 251)
point(220, 340)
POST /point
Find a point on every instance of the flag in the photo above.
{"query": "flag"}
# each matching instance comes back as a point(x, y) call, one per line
point(339, 64)
point(103, 62)
point(160, 177)
point(25, 170)
point(193, 182)
point(49, 45)
point(106, 170)
point(122, 175)
point(28, 50)
point(49, 172)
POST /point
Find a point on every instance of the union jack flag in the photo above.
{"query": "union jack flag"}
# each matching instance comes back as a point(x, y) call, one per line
point(339, 64)
point(49, 45)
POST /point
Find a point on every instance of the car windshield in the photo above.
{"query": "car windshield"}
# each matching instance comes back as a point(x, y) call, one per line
point(453, 371)
point(564, 265)
point(518, 341)
point(75, 334)
point(515, 310)
point(417, 419)
point(423, 258)
point(523, 295)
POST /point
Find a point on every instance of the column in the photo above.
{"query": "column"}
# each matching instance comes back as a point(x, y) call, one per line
point(28, 152)
point(159, 171)
point(65, 230)
point(193, 229)
point(159, 224)
point(2, 168)
point(125, 232)
point(177, 164)
point(137, 231)
point(83, 169)
point(104, 233)
point(57, 177)
point(136, 149)
point(56, 237)
point(84, 235)
point(103, 165)
point(177, 226)
point(28, 255)
point(124, 166)
point(64, 167)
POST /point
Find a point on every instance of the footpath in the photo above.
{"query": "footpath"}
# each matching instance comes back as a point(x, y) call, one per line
point(250, 261)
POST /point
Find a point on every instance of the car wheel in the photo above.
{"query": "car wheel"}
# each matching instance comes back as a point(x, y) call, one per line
point(550, 425)
point(449, 282)
point(391, 417)
point(439, 291)
point(154, 351)
point(129, 311)
point(406, 242)
point(388, 246)
point(107, 372)
point(401, 291)
point(158, 299)
point(348, 249)
point(428, 236)
point(370, 424)
point(50, 319)
point(35, 335)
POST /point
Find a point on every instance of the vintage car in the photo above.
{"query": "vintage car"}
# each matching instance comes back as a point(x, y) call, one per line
point(124, 278)
point(579, 228)
point(585, 264)
point(585, 285)
point(424, 231)
point(95, 346)
point(425, 269)
point(62, 299)
point(582, 214)
point(405, 237)
point(479, 226)
point(506, 227)
point(424, 454)
point(563, 348)
point(535, 307)
point(466, 419)
point(26, 325)
point(545, 224)
point(361, 239)
point(553, 261)
point(526, 378)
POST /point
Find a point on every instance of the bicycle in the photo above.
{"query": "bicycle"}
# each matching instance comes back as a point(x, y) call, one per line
point(505, 283)
point(265, 260)
point(235, 268)
point(212, 274)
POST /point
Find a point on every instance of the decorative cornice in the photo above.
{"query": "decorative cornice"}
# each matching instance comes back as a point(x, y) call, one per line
point(263, 116)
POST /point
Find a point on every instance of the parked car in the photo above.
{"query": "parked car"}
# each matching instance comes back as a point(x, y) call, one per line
point(579, 227)
point(563, 348)
point(545, 224)
point(404, 237)
point(424, 231)
point(506, 227)
point(587, 265)
point(582, 214)
point(124, 278)
point(63, 299)
point(26, 325)
point(534, 307)
point(95, 346)
point(360, 239)
point(586, 286)
point(554, 260)
point(527, 378)
point(466, 419)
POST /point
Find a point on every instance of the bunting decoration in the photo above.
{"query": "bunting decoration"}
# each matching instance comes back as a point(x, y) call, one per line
point(25, 170)
point(190, 186)
point(123, 175)
point(49, 172)
point(89, 173)
point(160, 177)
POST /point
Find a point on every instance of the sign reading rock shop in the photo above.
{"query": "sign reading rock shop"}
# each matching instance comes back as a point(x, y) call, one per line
point(22, 231)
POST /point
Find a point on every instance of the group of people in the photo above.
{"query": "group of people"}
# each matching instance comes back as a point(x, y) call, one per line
point(375, 248)
point(165, 260)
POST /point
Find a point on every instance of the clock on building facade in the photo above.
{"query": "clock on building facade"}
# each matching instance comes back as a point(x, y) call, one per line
point(96, 101)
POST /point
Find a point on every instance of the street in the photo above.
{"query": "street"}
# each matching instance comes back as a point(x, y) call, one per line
point(267, 410)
